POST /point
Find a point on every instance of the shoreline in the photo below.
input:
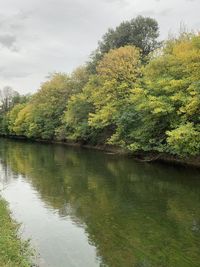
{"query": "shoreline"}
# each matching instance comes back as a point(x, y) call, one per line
point(148, 157)
point(14, 251)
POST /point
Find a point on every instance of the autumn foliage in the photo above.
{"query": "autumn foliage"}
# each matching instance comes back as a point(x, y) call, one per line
point(141, 106)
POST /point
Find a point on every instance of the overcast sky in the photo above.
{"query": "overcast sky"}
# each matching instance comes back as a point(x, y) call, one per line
point(38, 37)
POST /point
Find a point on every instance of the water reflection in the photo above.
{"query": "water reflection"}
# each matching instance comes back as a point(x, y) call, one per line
point(121, 213)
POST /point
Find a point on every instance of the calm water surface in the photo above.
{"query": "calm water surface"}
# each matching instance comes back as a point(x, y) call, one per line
point(85, 208)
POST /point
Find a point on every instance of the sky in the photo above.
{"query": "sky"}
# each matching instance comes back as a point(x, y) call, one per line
point(38, 37)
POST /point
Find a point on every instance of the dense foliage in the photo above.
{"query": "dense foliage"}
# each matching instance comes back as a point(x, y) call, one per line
point(140, 106)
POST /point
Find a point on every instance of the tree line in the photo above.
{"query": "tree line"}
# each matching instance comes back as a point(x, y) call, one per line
point(134, 92)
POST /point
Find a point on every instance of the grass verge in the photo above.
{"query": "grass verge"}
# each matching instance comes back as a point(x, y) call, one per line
point(13, 251)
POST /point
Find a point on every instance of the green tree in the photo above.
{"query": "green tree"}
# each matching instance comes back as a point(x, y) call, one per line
point(13, 116)
point(48, 106)
point(141, 32)
point(75, 125)
point(168, 100)
point(110, 90)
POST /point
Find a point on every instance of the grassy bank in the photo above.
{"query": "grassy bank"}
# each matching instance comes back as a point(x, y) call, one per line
point(13, 251)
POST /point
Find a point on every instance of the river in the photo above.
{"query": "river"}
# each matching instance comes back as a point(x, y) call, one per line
point(85, 208)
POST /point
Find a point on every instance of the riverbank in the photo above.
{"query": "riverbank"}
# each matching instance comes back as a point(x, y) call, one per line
point(142, 156)
point(13, 251)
